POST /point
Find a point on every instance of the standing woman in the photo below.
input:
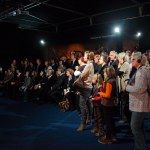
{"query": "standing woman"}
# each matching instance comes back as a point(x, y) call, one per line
point(122, 75)
point(139, 99)
point(108, 96)
point(85, 91)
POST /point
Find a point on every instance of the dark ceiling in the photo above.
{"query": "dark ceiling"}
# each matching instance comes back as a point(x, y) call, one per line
point(54, 16)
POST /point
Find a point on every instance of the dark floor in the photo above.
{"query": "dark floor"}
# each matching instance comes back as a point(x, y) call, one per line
point(30, 126)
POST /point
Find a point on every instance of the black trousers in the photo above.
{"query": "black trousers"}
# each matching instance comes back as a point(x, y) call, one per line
point(109, 121)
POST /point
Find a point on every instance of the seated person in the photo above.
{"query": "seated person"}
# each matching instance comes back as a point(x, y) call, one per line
point(56, 92)
point(69, 92)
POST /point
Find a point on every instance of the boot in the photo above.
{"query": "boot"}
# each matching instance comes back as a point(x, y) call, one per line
point(94, 130)
point(100, 133)
point(81, 127)
point(89, 121)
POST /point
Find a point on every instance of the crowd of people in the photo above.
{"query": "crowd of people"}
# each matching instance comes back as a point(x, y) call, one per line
point(96, 84)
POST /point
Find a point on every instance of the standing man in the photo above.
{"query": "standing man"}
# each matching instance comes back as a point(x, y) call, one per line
point(74, 61)
point(139, 99)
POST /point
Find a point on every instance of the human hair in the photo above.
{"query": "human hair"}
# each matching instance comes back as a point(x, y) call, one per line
point(141, 59)
point(105, 57)
point(70, 70)
point(90, 55)
point(123, 56)
point(110, 71)
point(114, 53)
point(51, 70)
point(81, 58)
point(97, 79)
point(97, 56)
point(61, 69)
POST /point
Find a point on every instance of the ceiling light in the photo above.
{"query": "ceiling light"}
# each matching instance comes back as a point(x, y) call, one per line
point(117, 29)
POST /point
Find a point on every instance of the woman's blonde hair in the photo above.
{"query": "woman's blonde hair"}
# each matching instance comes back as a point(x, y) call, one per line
point(98, 78)
point(123, 56)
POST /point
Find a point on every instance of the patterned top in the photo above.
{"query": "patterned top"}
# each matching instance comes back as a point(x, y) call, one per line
point(139, 99)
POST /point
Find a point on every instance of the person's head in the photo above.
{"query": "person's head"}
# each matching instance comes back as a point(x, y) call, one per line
point(80, 60)
point(148, 53)
point(46, 63)
point(33, 73)
point(64, 58)
point(38, 61)
point(109, 72)
point(61, 62)
point(14, 62)
point(27, 73)
point(88, 56)
point(69, 72)
point(138, 59)
point(112, 55)
point(52, 61)
point(96, 59)
point(9, 71)
point(122, 57)
point(103, 59)
point(97, 79)
point(17, 71)
point(73, 56)
point(50, 72)
point(42, 73)
point(60, 70)
point(31, 63)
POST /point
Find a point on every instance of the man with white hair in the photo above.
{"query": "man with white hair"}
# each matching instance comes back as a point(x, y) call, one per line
point(139, 99)
point(113, 59)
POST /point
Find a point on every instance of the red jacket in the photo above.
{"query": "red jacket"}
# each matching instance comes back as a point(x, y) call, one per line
point(98, 97)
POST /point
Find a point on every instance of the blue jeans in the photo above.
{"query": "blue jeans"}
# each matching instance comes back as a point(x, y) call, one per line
point(137, 127)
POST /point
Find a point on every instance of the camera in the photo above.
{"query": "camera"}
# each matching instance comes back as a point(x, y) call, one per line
point(120, 73)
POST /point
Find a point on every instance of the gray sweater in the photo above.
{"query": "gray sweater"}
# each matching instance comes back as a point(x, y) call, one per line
point(87, 75)
point(139, 99)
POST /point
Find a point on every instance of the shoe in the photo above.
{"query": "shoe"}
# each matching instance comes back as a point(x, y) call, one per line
point(97, 134)
point(129, 135)
point(81, 127)
point(113, 138)
point(104, 141)
point(78, 93)
point(94, 131)
point(122, 121)
point(89, 121)
point(100, 134)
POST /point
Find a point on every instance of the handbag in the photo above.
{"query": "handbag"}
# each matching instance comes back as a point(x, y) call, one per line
point(64, 104)
point(78, 83)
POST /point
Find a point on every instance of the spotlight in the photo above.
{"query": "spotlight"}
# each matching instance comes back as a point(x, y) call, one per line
point(14, 13)
point(117, 29)
point(138, 34)
point(42, 42)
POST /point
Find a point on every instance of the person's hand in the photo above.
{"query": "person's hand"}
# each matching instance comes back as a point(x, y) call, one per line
point(91, 99)
point(124, 88)
point(126, 82)
point(76, 68)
